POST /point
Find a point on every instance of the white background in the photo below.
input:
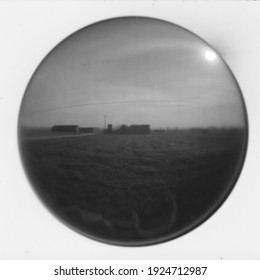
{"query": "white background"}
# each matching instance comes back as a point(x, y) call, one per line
point(28, 31)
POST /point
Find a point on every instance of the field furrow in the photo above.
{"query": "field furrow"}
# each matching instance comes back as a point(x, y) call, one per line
point(135, 184)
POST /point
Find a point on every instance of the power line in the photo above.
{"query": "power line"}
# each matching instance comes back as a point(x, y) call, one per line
point(107, 103)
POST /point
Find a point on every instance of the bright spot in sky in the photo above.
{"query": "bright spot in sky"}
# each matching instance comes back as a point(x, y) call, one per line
point(210, 55)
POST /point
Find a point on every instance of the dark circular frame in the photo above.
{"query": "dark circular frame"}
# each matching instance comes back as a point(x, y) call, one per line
point(219, 202)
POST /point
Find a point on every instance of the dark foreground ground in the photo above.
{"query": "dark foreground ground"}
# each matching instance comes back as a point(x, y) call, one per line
point(134, 189)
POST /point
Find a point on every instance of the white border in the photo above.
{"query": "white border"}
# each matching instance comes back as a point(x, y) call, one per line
point(29, 30)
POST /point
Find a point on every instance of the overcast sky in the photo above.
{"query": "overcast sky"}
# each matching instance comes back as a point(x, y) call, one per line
point(134, 71)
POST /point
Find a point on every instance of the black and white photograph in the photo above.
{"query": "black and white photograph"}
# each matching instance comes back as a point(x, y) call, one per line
point(132, 134)
point(133, 130)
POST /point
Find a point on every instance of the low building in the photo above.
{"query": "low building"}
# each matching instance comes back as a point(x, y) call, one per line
point(139, 129)
point(134, 129)
point(65, 128)
point(87, 129)
point(109, 128)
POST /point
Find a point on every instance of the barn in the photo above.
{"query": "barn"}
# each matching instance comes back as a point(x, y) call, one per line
point(65, 128)
point(134, 129)
point(87, 129)
point(109, 128)
point(139, 129)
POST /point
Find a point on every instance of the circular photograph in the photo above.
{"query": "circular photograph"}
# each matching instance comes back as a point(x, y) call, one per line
point(132, 131)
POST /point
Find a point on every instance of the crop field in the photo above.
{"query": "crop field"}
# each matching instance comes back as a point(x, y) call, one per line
point(134, 188)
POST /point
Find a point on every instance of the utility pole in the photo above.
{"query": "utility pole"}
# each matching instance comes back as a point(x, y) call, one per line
point(105, 122)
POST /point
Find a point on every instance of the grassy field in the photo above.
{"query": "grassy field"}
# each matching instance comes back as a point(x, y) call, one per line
point(134, 188)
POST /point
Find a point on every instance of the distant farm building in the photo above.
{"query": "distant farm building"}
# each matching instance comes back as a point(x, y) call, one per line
point(159, 130)
point(139, 129)
point(65, 128)
point(87, 129)
point(109, 128)
point(132, 129)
